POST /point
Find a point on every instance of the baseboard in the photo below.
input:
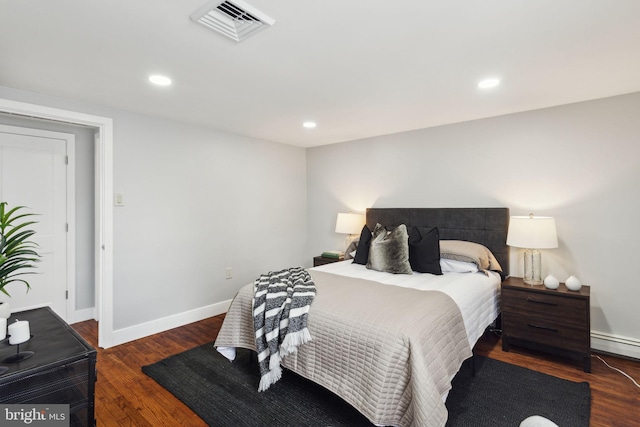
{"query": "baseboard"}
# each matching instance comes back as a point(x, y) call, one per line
point(82, 315)
point(132, 333)
point(615, 344)
point(73, 317)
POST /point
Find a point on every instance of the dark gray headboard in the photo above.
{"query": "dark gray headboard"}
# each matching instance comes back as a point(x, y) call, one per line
point(487, 226)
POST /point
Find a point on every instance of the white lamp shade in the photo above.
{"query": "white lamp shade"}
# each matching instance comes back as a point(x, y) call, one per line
point(349, 223)
point(532, 232)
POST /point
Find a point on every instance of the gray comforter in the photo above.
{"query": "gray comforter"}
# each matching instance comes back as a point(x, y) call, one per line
point(388, 351)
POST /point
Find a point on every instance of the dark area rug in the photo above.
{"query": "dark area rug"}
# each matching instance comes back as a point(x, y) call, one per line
point(225, 394)
point(501, 394)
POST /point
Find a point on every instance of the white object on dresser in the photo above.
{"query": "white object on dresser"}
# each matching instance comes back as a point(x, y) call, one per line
point(3, 328)
point(551, 282)
point(5, 310)
point(573, 284)
point(19, 332)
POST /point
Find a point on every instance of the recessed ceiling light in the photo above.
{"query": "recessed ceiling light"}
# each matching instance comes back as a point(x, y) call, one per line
point(159, 80)
point(488, 83)
point(309, 125)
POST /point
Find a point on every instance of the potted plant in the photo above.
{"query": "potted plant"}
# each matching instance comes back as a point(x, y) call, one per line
point(18, 255)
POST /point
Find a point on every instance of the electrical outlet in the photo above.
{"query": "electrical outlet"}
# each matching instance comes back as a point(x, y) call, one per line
point(228, 272)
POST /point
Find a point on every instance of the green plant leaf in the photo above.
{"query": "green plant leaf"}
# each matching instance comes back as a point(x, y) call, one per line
point(18, 254)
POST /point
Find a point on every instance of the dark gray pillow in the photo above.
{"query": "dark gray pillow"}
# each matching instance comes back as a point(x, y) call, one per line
point(389, 250)
point(424, 250)
point(362, 253)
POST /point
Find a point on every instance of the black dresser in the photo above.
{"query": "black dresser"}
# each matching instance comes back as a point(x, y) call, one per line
point(62, 369)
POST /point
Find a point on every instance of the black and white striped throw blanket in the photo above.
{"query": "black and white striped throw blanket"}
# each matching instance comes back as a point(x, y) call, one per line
point(281, 301)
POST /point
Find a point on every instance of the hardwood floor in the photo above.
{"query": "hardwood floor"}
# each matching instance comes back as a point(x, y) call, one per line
point(127, 397)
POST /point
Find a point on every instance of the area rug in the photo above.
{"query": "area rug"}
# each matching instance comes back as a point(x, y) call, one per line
point(225, 394)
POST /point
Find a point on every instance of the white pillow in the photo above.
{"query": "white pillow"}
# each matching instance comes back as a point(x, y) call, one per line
point(455, 266)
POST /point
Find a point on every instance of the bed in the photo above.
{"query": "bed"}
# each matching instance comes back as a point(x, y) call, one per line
point(389, 344)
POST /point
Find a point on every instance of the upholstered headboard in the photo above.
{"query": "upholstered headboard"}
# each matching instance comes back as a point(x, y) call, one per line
point(487, 226)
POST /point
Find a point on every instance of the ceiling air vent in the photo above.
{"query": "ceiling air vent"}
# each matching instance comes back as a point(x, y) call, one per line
point(235, 19)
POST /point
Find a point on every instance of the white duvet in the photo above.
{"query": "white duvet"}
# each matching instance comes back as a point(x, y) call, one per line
point(476, 294)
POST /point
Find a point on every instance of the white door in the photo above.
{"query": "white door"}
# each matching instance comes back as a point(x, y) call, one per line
point(33, 173)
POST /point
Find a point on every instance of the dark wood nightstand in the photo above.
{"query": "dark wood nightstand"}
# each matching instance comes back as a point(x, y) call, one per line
point(320, 260)
point(551, 320)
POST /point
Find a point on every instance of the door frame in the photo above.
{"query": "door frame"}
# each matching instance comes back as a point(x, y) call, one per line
point(104, 200)
point(70, 196)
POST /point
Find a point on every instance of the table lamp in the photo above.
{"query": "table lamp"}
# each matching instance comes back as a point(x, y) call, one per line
point(351, 224)
point(532, 233)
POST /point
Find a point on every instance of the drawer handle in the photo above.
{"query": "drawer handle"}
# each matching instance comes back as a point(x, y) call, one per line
point(546, 328)
point(541, 302)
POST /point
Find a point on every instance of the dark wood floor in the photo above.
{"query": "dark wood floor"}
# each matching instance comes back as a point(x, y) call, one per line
point(127, 397)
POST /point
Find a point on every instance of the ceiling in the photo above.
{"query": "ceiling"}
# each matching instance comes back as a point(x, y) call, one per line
point(359, 68)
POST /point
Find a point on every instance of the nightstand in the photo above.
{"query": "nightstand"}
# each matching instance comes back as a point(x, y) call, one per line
point(320, 260)
point(551, 320)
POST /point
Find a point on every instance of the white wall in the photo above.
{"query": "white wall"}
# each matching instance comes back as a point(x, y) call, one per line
point(196, 202)
point(579, 163)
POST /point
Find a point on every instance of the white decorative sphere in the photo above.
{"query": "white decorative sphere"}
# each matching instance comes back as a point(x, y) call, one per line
point(551, 282)
point(573, 284)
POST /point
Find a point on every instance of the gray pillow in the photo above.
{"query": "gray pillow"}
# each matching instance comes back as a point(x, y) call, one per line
point(389, 250)
point(476, 253)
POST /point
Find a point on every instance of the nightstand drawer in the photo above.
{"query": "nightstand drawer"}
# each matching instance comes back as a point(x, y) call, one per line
point(552, 307)
point(554, 333)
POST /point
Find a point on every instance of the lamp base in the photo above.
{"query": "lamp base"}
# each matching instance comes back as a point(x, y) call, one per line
point(347, 243)
point(532, 267)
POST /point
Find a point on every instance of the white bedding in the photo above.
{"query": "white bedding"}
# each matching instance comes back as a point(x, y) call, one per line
point(476, 294)
point(396, 366)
